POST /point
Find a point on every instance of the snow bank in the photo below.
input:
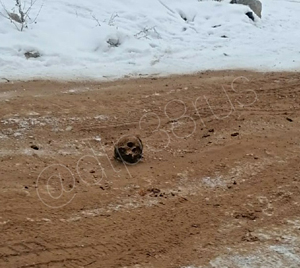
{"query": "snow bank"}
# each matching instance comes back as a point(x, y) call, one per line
point(109, 39)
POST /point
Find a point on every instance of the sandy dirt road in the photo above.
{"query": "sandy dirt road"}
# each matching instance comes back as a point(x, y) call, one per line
point(218, 186)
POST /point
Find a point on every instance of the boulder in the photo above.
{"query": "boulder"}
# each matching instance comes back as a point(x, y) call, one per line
point(255, 5)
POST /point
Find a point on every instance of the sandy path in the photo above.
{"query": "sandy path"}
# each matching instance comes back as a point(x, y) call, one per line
point(218, 185)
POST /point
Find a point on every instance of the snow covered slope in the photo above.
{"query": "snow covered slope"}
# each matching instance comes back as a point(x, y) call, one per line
point(97, 39)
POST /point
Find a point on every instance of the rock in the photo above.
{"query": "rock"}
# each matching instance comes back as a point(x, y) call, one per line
point(34, 147)
point(255, 5)
point(32, 54)
point(17, 134)
point(250, 15)
point(154, 190)
point(113, 42)
point(129, 149)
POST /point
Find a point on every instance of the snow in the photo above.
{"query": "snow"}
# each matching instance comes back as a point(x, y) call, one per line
point(111, 39)
point(264, 253)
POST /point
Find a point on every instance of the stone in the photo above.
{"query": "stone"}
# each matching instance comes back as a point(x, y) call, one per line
point(255, 5)
point(32, 54)
point(250, 15)
point(113, 42)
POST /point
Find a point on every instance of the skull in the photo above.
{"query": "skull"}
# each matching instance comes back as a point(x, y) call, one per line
point(129, 149)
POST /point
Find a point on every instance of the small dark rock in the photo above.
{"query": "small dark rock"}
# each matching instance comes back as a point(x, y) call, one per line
point(113, 42)
point(34, 147)
point(182, 199)
point(154, 190)
point(32, 54)
point(289, 119)
point(247, 215)
point(235, 134)
point(250, 15)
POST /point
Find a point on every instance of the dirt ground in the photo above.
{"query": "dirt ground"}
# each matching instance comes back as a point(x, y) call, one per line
point(218, 184)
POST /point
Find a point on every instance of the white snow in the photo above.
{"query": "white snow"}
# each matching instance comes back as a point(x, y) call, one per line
point(263, 253)
point(110, 39)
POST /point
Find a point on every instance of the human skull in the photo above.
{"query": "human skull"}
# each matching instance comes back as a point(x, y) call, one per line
point(129, 149)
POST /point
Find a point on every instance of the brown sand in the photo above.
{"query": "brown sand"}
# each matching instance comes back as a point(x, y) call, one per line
point(220, 177)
